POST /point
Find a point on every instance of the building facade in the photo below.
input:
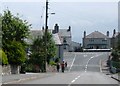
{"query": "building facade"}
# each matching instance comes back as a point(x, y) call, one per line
point(96, 40)
point(38, 33)
point(65, 37)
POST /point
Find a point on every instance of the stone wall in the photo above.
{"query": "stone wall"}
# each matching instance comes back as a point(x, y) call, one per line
point(0, 75)
point(6, 70)
point(50, 68)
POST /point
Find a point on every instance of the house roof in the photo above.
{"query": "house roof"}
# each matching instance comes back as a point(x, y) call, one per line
point(56, 39)
point(35, 33)
point(96, 34)
point(116, 34)
point(64, 32)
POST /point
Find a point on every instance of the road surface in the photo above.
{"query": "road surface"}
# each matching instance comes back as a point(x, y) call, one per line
point(83, 68)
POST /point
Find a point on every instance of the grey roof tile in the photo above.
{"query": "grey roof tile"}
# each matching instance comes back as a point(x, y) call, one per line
point(64, 32)
point(56, 39)
point(96, 34)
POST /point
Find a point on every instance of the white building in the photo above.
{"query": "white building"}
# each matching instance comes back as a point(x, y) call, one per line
point(38, 33)
point(59, 47)
point(65, 37)
point(96, 40)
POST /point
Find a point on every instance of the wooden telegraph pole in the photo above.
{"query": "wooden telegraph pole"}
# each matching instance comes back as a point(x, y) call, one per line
point(45, 33)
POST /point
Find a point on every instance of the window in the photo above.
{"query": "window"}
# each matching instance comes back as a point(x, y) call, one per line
point(91, 40)
point(64, 40)
point(64, 46)
point(104, 40)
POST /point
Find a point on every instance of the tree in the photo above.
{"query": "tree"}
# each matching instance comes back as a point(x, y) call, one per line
point(115, 55)
point(51, 48)
point(0, 30)
point(38, 53)
point(3, 58)
point(118, 47)
point(38, 50)
point(14, 31)
point(16, 53)
point(13, 28)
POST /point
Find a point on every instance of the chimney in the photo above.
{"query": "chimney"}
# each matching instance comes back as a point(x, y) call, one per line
point(43, 28)
point(108, 33)
point(84, 34)
point(69, 29)
point(114, 32)
point(56, 28)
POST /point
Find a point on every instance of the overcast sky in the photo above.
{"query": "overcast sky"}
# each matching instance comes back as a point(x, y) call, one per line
point(95, 15)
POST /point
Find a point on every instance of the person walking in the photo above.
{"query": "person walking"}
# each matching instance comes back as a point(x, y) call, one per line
point(63, 66)
point(66, 65)
point(58, 67)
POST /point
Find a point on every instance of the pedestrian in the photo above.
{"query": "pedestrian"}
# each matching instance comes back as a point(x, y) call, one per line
point(66, 65)
point(63, 66)
point(58, 67)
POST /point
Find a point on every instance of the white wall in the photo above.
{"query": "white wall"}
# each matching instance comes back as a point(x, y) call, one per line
point(98, 41)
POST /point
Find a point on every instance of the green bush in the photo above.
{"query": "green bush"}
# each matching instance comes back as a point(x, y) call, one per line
point(52, 63)
point(115, 55)
point(116, 64)
point(3, 57)
point(16, 53)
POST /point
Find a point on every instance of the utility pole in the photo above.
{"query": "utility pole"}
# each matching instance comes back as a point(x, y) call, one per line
point(45, 33)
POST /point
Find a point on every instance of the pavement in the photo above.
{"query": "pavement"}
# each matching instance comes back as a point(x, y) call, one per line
point(105, 69)
point(10, 79)
point(116, 77)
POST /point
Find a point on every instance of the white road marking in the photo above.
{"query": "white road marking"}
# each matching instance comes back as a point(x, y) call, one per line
point(76, 78)
point(85, 55)
point(73, 81)
point(100, 66)
point(90, 59)
point(72, 62)
point(86, 66)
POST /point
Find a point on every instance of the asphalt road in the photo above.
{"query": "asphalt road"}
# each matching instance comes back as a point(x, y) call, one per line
point(83, 68)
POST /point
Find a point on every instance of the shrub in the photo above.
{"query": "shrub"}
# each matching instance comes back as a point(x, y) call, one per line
point(52, 63)
point(3, 58)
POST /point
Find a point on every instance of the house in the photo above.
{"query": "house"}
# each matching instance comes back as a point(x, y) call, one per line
point(65, 37)
point(38, 33)
point(115, 38)
point(96, 40)
point(59, 46)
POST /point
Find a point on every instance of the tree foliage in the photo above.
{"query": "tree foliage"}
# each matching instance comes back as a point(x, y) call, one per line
point(50, 45)
point(14, 28)
point(14, 31)
point(115, 55)
point(16, 53)
point(40, 51)
point(0, 30)
point(3, 57)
